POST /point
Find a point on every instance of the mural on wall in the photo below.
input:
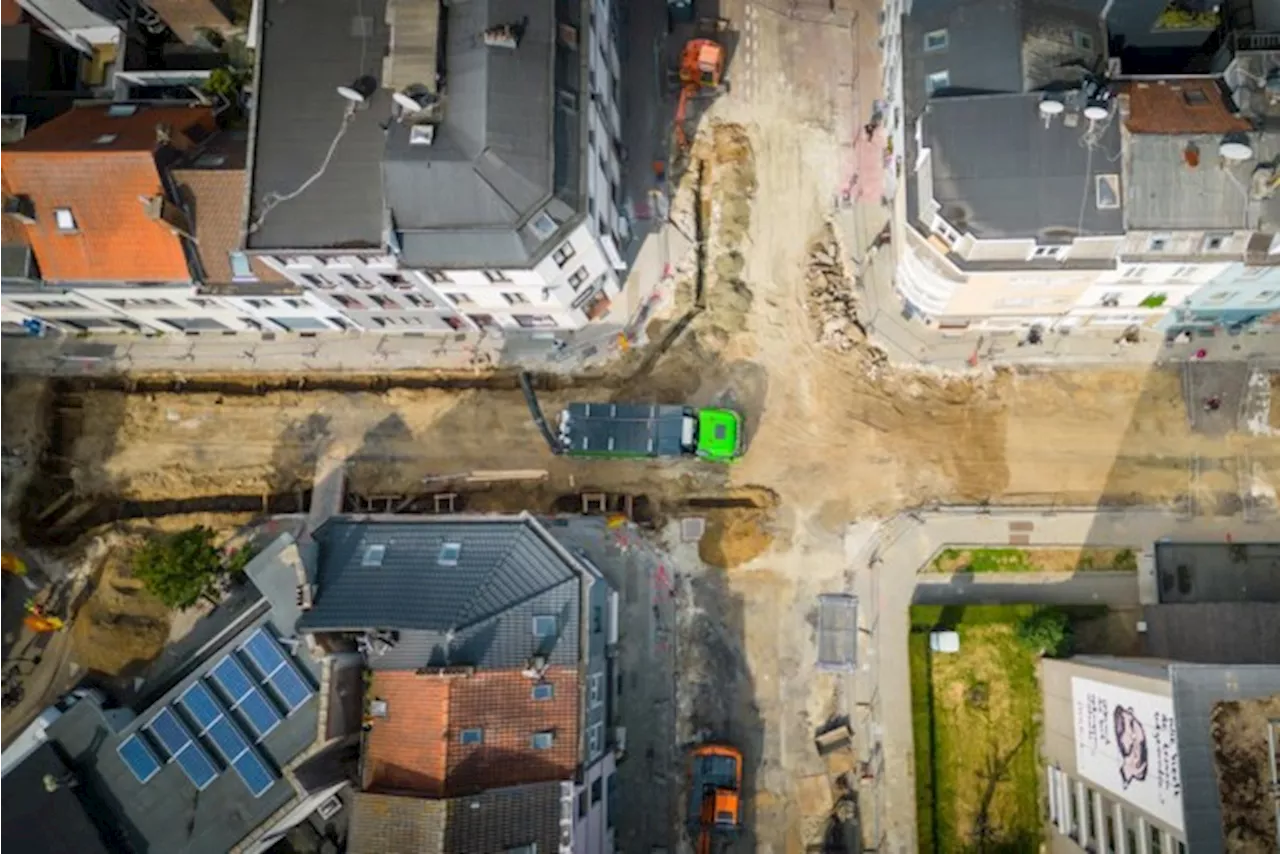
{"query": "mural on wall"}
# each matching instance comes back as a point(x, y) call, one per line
point(1127, 743)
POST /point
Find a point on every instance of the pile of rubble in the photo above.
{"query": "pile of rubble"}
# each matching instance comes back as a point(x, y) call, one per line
point(833, 303)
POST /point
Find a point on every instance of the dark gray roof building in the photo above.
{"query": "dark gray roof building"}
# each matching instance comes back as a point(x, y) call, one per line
point(496, 820)
point(163, 810)
point(999, 172)
point(307, 50)
point(461, 591)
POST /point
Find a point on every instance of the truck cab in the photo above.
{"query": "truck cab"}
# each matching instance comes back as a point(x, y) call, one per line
point(719, 434)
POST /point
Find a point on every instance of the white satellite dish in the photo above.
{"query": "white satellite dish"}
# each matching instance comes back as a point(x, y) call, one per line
point(1095, 113)
point(1051, 108)
point(407, 103)
point(1235, 151)
point(359, 90)
point(351, 94)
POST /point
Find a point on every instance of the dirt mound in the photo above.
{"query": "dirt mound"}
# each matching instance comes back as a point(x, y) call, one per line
point(121, 625)
point(1239, 730)
point(735, 536)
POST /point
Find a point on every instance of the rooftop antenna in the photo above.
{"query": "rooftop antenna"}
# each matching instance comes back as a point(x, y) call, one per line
point(1049, 108)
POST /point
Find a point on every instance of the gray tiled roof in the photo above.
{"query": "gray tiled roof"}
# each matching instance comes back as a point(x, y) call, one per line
point(488, 823)
point(999, 172)
point(468, 197)
point(502, 563)
point(308, 50)
point(1163, 192)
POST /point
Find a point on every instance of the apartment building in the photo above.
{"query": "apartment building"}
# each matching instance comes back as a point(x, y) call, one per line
point(1105, 198)
point(1143, 756)
point(486, 644)
point(473, 182)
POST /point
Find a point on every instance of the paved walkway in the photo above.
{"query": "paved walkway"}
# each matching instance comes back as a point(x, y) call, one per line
point(886, 560)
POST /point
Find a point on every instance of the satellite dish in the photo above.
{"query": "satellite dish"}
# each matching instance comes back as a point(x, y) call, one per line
point(1236, 151)
point(1050, 107)
point(1095, 113)
point(359, 90)
point(406, 103)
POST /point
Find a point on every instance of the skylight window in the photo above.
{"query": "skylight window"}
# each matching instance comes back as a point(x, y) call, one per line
point(1195, 98)
point(373, 555)
point(544, 740)
point(935, 40)
point(119, 111)
point(106, 139)
point(543, 691)
point(937, 81)
point(544, 626)
point(65, 219)
point(1107, 192)
point(474, 735)
point(449, 554)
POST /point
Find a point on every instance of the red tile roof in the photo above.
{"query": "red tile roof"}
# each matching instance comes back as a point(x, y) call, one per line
point(418, 748)
point(1180, 105)
point(63, 165)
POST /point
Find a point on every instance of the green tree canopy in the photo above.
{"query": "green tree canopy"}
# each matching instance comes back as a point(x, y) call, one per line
point(182, 568)
point(1047, 632)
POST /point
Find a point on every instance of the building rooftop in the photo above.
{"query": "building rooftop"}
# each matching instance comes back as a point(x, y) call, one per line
point(456, 733)
point(491, 187)
point(307, 51)
point(1000, 172)
point(1218, 572)
point(1213, 632)
point(36, 819)
point(1180, 105)
point(441, 576)
point(518, 818)
point(85, 173)
point(184, 735)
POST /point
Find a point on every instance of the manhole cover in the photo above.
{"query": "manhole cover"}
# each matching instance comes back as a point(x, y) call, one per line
point(691, 529)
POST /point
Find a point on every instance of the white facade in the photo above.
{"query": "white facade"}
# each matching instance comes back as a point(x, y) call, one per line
point(593, 831)
point(177, 309)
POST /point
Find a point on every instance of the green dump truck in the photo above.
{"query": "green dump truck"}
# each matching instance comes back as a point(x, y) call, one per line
point(649, 430)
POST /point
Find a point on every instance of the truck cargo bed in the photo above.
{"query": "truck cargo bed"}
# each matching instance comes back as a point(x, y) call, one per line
point(627, 429)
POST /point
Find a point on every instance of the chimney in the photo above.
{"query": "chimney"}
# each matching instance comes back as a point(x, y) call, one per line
point(160, 209)
point(164, 133)
point(21, 208)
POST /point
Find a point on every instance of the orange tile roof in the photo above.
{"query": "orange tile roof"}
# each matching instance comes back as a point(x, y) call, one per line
point(59, 165)
point(1180, 105)
point(216, 197)
point(10, 12)
point(417, 748)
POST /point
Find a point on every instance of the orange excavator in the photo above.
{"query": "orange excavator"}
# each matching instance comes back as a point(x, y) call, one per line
point(715, 789)
point(701, 69)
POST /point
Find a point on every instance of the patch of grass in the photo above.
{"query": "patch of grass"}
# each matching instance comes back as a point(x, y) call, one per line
point(975, 720)
point(1081, 559)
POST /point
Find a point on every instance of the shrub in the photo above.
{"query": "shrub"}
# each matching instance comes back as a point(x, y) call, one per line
point(1047, 632)
point(182, 568)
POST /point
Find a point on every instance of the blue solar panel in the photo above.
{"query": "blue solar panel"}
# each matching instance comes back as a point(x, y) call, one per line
point(259, 714)
point(264, 653)
point(228, 740)
point(170, 732)
point(141, 761)
point(289, 685)
point(255, 775)
point(197, 765)
point(200, 705)
point(231, 678)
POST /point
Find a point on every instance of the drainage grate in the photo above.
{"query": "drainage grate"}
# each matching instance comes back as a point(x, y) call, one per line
point(692, 529)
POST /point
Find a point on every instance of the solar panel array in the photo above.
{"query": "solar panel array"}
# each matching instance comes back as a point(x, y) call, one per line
point(227, 709)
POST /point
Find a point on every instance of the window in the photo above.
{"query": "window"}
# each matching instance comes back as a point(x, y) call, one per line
point(515, 299)
point(545, 626)
point(597, 790)
point(1220, 296)
point(383, 302)
point(543, 691)
point(1106, 192)
point(65, 219)
point(1263, 297)
point(1049, 253)
point(1111, 299)
point(1195, 98)
point(936, 82)
point(373, 555)
point(611, 798)
point(474, 735)
point(394, 279)
point(1157, 839)
point(1214, 242)
point(1133, 273)
point(1111, 829)
point(1158, 243)
point(562, 255)
point(419, 301)
point(595, 690)
point(1182, 273)
point(460, 299)
point(544, 740)
point(534, 321)
point(241, 270)
point(313, 280)
point(595, 745)
point(579, 276)
point(449, 554)
point(597, 621)
point(582, 804)
point(1090, 822)
point(347, 302)
point(496, 276)
point(943, 229)
point(1083, 40)
point(438, 277)
point(106, 139)
point(935, 40)
point(118, 111)
point(352, 279)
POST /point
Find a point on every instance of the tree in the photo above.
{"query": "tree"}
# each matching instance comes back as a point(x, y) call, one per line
point(1047, 632)
point(182, 568)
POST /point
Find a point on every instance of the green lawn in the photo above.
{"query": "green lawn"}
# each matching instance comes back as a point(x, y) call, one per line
point(975, 718)
point(1085, 559)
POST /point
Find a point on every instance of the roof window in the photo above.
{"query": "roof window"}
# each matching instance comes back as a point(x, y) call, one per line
point(119, 111)
point(473, 735)
point(373, 555)
point(544, 626)
point(935, 40)
point(65, 219)
point(106, 138)
point(449, 554)
point(543, 691)
point(544, 740)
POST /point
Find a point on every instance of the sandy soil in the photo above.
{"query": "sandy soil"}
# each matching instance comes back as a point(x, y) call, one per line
point(121, 626)
point(1240, 748)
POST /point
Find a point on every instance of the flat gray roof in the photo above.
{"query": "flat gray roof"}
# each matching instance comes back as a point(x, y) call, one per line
point(308, 50)
point(1163, 192)
point(1218, 572)
point(999, 172)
